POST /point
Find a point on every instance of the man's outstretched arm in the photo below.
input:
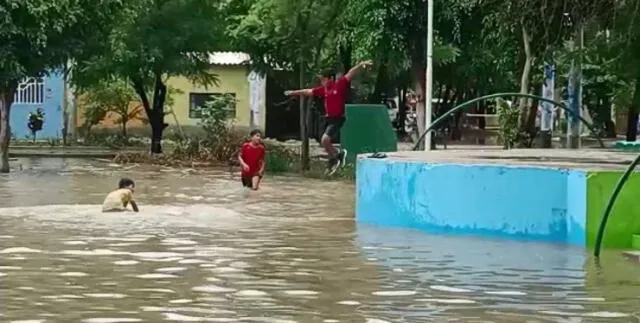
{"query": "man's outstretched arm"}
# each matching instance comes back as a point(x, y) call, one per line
point(357, 68)
point(303, 92)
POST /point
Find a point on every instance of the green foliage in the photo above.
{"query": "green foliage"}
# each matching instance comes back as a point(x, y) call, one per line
point(216, 114)
point(157, 40)
point(508, 121)
point(92, 115)
point(281, 33)
point(38, 36)
point(279, 158)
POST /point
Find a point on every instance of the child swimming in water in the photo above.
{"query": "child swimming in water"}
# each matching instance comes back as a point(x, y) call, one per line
point(118, 200)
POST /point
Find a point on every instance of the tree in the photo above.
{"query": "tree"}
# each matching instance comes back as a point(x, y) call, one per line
point(92, 115)
point(622, 35)
point(289, 35)
point(541, 27)
point(38, 37)
point(163, 38)
point(279, 34)
point(116, 97)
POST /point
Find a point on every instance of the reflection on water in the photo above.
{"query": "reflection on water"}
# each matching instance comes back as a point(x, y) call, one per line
point(204, 250)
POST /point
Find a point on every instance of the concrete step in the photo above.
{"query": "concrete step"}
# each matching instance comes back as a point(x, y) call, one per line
point(632, 255)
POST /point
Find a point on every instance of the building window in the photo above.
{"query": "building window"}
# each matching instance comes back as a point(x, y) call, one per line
point(197, 101)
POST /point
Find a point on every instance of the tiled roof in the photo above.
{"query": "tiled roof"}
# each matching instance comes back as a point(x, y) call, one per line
point(229, 58)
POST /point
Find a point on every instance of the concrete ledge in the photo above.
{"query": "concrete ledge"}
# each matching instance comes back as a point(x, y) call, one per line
point(627, 145)
point(64, 154)
point(632, 255)
point(548, 195)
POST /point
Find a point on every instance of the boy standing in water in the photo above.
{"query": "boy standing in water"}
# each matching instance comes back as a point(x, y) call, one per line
point(118, 200)
point(251, 160)
point(334, 91)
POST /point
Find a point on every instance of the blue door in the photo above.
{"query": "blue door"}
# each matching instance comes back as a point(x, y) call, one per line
point(45, 92)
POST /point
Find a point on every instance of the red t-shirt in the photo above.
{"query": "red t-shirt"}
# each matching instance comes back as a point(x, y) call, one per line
point(335, 95)
point(252, 156)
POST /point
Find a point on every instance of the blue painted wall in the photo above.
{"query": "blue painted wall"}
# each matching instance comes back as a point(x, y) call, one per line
point(52, 107)
point(494, 200)
point(577, 207)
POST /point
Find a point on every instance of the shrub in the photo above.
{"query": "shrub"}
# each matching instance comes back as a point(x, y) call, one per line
point(279, 158)
point(508, 121)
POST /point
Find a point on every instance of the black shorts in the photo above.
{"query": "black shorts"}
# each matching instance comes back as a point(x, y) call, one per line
point(246, 181)
point(333, 126)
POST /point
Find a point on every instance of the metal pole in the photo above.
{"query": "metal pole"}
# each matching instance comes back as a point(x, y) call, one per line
point(428, 104)
point(304, 134)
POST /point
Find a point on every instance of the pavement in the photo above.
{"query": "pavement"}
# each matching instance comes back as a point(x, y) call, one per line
point(632, 255)
point(588, 159)
point(66, 151)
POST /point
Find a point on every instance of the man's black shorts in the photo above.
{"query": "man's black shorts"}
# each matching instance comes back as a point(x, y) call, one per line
point(333, 126)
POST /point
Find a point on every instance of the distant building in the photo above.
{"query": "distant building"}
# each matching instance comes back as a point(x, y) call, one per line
point(234, 78)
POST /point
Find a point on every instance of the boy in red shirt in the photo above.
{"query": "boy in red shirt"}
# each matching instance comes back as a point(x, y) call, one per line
point(251, 160)
point(334, 93)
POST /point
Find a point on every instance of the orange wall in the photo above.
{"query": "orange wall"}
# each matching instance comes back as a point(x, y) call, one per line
point(110, 120)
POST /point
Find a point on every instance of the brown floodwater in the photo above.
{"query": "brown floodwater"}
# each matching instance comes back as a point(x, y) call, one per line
point(203, 249)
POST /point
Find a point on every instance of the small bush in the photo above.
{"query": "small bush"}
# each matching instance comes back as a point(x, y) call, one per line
point(508, 121)
point(279, 158)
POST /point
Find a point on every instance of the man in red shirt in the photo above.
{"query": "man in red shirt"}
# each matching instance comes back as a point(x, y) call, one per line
point(334, 93)
point(251, 160)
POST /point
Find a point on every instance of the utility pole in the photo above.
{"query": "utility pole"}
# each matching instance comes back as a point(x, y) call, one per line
point(428, 84)
point(304, 134)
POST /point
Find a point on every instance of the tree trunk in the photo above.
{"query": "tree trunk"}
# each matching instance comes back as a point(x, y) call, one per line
point(6, 100)
point(525, 78)
point(124, 128)
point(381, 88)
point(345, 53)
point(154, 109)
point(304, 133)
point(420, 107)
point(530, 125)
point(402, 110)
point(632, 115)
point(454, 121)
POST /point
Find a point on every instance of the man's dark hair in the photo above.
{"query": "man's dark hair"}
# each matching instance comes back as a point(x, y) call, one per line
point(124, 182)
point(328, 73)
point(255, 132)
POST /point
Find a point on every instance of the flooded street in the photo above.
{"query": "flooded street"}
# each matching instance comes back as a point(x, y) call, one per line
point(203, 249)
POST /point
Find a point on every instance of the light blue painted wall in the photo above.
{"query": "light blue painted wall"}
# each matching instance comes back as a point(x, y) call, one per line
point(52, 107)
point(494, 200)
point(577, 207)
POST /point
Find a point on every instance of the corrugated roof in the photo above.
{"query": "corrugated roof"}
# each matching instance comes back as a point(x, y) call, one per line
point(229, 58)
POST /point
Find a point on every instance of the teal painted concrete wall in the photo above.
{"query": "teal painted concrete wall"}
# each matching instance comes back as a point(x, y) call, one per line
point(493, 200)
point(521, 202)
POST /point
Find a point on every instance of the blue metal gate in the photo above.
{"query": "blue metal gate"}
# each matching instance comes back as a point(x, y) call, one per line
point(45, 92)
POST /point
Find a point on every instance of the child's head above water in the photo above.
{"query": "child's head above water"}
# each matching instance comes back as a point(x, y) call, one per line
point(255, 136)
point(126, 183)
